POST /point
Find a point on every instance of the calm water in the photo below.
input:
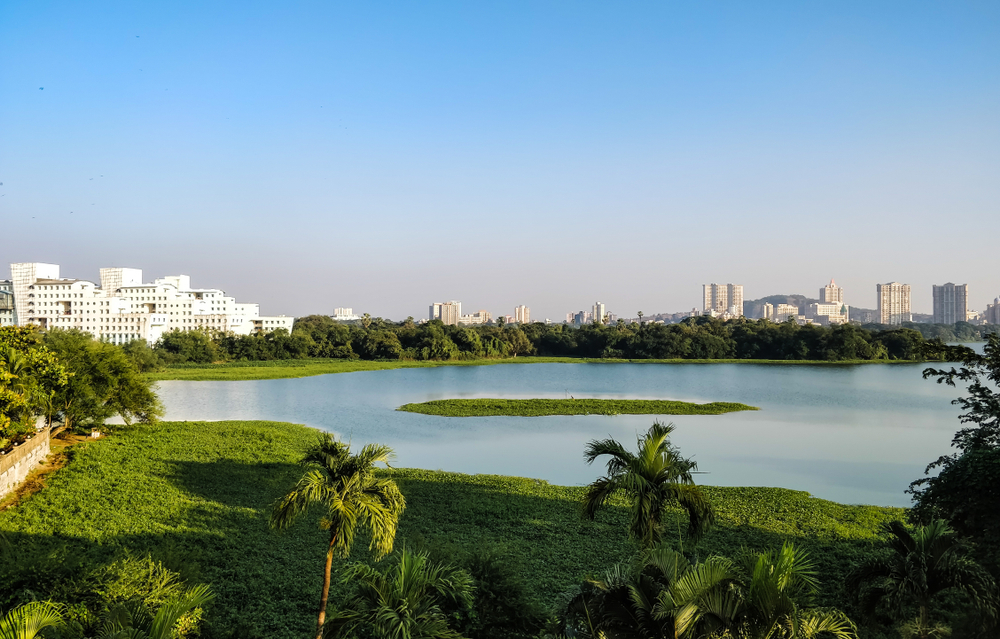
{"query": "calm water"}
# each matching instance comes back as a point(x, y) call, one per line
point(854, 434)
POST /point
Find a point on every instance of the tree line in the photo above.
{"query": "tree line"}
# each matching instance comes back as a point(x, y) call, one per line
point(318, 336)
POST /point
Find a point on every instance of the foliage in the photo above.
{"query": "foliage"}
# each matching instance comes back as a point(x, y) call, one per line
point(407, 599)
point(103, 381)
point(764, 595)
point(346, 486)
point(29, 376)
point(919, 566)
point(28, 620)
point(653, 478)
point(699, 338)
point(540, 407)
point(131, 620)
point(966, 488)
point(195, 496)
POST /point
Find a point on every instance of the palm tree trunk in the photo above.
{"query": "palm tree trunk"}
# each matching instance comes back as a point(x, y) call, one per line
point(923, 622)
point(326, 586)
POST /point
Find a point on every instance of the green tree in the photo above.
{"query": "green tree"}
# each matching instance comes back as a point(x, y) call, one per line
point(103, 381)
point(921, 565)
point(964, 487)
point(652, 479)
point(346, 486)
point(28, 620)
point(517, 342)
point(404, 600)
point(29, 376)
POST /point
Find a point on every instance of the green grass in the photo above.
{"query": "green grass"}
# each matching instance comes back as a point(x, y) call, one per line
point(196, 496)
point(287, 368)
point(541, 407)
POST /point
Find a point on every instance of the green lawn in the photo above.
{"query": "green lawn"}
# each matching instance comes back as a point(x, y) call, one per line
point(541, 407)
point(196, 495)
point(282, 369)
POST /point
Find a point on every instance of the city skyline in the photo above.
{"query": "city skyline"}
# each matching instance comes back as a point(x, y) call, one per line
point(681, 144)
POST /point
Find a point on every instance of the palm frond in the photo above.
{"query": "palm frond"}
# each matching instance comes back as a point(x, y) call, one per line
point(28, 620)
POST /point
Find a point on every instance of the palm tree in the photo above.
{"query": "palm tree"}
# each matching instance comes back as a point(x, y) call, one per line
point(403, 601)
point(774, 601)
point(28, 620)
point(652, 479)
point(922, 564)
point(627, 601)
point(132, 621)
point(346, 486)
point(764, 596)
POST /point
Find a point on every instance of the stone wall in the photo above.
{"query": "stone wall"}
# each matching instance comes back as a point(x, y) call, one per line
point(16, 464)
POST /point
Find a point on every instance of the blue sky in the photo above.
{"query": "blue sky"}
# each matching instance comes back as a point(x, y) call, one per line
point(387, 155)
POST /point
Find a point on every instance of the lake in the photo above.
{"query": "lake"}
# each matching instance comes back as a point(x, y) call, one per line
point(853, 434)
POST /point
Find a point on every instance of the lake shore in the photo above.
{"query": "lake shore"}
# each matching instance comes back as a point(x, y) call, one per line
point(290, 369)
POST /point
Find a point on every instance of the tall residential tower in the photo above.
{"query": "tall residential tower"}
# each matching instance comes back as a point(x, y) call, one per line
point(951, 303)
point(721, 299)
point(893, 303)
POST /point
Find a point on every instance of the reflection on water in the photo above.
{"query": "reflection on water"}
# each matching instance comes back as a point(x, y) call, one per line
point(854, 434)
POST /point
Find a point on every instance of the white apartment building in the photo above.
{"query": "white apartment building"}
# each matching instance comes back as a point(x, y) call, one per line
point(893, 303)
point(6, 303)
point(124, 309)
point(479, 317)
point(448, 312)
point(784, 311)
point(831, 294)
point(522, 314)
point(767, 311)
point(723, 300)
point(344, 315)
point(951, 303)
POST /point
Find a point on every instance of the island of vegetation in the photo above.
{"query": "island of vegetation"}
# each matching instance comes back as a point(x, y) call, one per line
point(542, 407)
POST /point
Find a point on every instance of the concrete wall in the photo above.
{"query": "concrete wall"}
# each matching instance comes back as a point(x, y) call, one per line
point(16, 464)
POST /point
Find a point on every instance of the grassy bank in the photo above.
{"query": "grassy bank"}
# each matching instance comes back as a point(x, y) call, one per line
point(196, 496)
point(288, 368)
point(541, 407)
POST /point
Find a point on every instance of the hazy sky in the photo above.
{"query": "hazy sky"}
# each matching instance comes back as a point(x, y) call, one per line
point(383, 156)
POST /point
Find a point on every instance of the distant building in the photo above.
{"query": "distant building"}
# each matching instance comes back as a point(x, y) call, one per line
point(893, 303)
point(598, 312)
point(479, 317)
point(992, 313)
point(6, 303)
point(831, 294)
point(448, 312)
point(767, 311)
point(951, 303)
point(782, 312)
point(522, 314)
point(723, 299)
point(124, 309)
point(344, 315)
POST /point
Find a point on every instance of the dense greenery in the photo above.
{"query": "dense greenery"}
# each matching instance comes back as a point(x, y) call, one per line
point(67, 377)
point(30, 375)
point(541, 407)
point(197, 497)
point(763, 595)
point(701, 338)
point(918, 569)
